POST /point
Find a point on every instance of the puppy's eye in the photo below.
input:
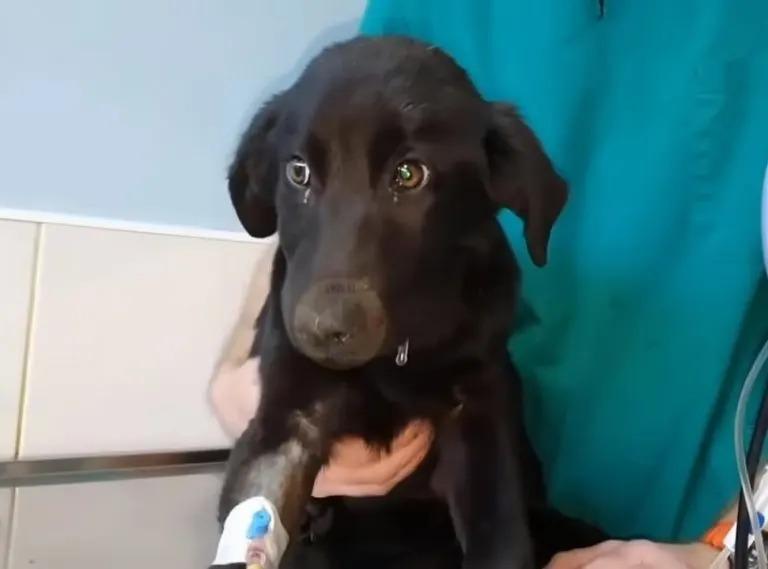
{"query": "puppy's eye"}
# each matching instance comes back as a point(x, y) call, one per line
point(297, 172)
point(410, 175)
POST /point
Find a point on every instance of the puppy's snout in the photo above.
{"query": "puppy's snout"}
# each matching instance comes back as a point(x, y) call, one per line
point(340, 323)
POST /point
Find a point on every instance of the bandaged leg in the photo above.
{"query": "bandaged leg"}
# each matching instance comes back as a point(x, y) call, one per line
point(253, 534)
point(262, 503)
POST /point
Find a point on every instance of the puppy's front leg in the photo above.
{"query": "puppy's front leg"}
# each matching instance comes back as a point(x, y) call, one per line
point(479, 477)
point(277, 465)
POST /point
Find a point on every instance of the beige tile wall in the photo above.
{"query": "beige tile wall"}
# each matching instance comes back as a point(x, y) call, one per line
point(111, 336)
point(154, 522)
point(127, 329)
point(17, 256)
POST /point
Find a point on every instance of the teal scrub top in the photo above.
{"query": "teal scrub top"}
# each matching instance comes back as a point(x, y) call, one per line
point(638, 334)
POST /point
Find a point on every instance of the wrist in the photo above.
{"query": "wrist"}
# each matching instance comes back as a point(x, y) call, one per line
point(697, 555)
point(716, 540)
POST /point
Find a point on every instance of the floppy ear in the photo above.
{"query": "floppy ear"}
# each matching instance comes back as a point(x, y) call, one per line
point(253, 174)
point(523, 179)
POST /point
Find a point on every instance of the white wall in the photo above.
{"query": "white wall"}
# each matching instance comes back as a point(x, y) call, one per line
point(131, 109)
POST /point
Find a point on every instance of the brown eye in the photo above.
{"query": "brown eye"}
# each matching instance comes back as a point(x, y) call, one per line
point(410, 175)
point(297, 172)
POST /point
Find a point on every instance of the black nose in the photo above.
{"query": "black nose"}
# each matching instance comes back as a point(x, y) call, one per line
point(339, 323)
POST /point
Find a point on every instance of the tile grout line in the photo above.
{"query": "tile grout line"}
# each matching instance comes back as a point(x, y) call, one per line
point(31, 313)
point(14, 498)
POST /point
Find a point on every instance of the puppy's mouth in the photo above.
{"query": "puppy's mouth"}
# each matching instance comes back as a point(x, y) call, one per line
point(340, 323)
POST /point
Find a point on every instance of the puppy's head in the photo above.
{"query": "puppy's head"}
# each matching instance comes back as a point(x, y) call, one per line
point(382, 168)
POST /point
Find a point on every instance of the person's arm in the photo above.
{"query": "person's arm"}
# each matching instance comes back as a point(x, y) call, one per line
point(238, 345)
point(234, 390)
point(647, 554)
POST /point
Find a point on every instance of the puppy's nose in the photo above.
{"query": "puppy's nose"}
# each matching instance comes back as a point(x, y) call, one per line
point(339, 323)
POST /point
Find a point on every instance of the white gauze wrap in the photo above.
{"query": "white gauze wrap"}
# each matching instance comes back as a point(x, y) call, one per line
point(233, 544)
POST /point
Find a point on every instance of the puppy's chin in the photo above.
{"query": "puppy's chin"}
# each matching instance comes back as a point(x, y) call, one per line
point(347, 358)
point(338, 365)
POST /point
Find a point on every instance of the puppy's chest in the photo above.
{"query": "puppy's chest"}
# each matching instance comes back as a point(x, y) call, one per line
point(378, 411)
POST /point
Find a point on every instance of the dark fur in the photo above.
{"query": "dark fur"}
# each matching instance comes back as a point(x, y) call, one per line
point(448, 282)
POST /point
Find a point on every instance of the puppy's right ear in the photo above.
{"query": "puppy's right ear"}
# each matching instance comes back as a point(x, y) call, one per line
point(523, 178)
point(253, 175)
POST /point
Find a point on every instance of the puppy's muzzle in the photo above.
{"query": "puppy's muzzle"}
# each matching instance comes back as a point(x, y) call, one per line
point(340, 323)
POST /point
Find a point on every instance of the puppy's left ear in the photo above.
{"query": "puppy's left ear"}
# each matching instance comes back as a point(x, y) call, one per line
point(253, 174)
point(523, 179)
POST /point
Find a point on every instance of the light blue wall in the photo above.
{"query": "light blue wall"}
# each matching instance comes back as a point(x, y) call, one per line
point(130, 109)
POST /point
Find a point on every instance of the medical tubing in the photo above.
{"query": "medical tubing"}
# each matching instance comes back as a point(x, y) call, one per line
point(745, 478)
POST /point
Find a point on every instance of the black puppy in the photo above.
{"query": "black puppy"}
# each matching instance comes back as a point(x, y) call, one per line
point(392, 298)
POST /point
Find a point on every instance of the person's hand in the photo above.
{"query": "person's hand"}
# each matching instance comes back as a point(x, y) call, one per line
point(354, 469)
point(635, 554)
point(234, 393)
point(357, 470)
